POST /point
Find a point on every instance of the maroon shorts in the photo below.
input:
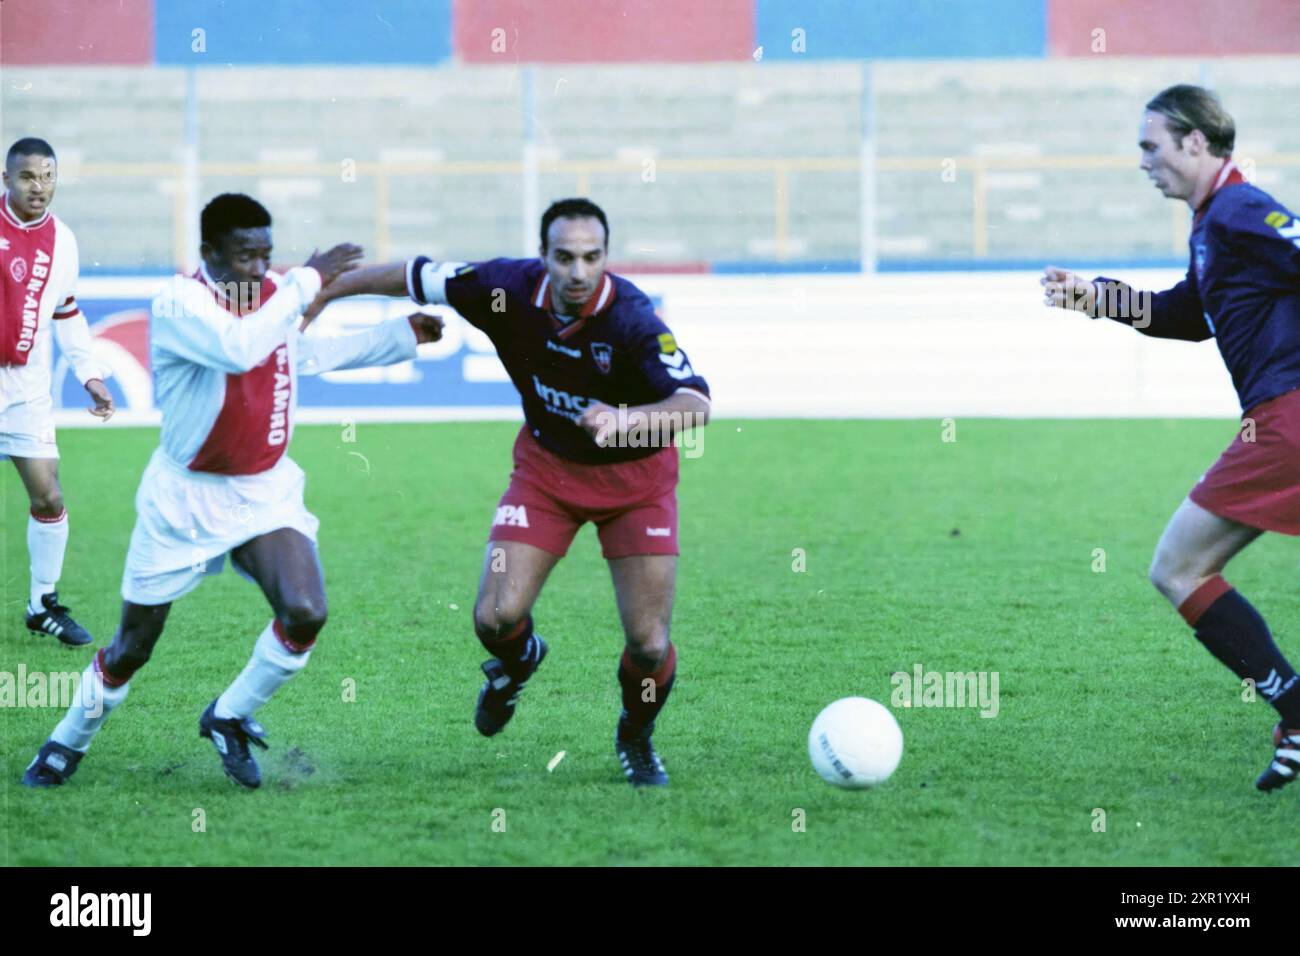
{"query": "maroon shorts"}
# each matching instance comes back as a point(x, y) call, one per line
point(633, 503)
point(1257, 483)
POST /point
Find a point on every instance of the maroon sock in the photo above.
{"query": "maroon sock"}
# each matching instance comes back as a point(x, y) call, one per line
point(512, 647)
point(641, 701)
point(111, 679)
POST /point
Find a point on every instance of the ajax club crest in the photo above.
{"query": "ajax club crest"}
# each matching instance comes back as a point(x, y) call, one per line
point(18, 269)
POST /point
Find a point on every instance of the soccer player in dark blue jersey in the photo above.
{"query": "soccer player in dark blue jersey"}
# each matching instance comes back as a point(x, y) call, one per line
point(605, 388)
point(1242, 289)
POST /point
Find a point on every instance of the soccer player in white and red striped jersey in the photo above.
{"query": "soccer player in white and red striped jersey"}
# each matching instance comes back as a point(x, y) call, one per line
point(226, 353)
point(38, 276)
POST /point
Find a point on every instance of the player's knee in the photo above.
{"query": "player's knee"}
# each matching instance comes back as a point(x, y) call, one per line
point(48, 503)
point(124, 657)
point(1172, 578)
point(494, 619)
point(303, 618)
point(647, 644)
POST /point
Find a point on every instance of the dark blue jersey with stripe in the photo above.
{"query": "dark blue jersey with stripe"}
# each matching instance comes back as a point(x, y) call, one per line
point(1242, 288)
point(616, 351)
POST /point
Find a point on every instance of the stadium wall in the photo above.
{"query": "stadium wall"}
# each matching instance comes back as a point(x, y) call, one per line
point(885, 346)
point(713, 167)
point(511, 32)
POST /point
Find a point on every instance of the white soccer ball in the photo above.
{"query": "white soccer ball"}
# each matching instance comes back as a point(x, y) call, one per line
point(855, 743)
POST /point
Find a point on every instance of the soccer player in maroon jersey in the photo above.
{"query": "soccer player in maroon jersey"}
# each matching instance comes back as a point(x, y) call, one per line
point(226, 353)
point(39, 268)
point(604, 387)
point(1243, 289)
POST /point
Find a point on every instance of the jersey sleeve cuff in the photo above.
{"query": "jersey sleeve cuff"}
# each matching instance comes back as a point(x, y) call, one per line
point(697, 393)
point(308, 280)
point(426, 280)
point(415, 279)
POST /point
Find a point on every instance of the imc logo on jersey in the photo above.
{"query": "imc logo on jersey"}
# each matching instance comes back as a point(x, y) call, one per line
point(560, 402)
point(513, 515)
point(280, 409)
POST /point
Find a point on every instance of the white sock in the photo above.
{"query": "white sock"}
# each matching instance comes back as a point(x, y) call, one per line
point(46, 542)
point(271, 665)
point(95, 701)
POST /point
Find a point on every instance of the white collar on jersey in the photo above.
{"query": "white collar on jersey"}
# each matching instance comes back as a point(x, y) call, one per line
point(13, 216)
point(206, 276)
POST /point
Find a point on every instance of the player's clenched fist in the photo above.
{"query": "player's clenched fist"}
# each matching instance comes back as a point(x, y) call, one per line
point(600, 421)
point(342, 258)
point(428, 328)
point(1065, 290)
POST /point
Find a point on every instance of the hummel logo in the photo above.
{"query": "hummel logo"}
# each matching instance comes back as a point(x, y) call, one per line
point(676, 360)
point(571, 353)
point(1271, 685)
point(678, 367)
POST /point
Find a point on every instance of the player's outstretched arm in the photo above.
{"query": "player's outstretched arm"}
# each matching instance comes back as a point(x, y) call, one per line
point(420, 278)
point(387, 279)
point(188, 322)
point(1063, 289)
point(1176, 313)
point(680, 411)
point(385, 344)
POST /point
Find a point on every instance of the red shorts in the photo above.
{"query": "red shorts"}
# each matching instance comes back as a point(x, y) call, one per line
point(633, 503)
point(1257, 483)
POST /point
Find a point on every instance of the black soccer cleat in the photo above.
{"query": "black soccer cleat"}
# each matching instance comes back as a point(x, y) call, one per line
point(53, 765)
point(1286, 760)
point(500, 693)
point(231, 736)
point(636, 752)
point(56, 620)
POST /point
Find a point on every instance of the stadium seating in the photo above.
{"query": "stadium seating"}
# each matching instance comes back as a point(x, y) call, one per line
point(728, 164)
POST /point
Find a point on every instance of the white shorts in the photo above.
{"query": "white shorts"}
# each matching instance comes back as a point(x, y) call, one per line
point(187, 522)
point(27, 430)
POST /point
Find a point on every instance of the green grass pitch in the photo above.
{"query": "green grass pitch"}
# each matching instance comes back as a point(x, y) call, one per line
point(972, 555)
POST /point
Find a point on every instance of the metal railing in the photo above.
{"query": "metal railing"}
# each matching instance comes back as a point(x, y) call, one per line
point(380, 177)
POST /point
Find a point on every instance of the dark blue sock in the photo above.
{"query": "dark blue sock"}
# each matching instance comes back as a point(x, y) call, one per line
point(1234, 632)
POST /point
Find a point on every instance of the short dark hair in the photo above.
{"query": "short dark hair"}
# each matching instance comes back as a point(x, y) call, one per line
point(228, 212)
point(573, 209)
point(30, 146)
point(1187, 107)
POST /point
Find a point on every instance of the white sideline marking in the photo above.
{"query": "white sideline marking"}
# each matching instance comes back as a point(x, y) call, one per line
point(555, 762)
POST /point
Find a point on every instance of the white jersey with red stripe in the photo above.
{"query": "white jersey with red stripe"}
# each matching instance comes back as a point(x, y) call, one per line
point(39, 265)
point(227, 384)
